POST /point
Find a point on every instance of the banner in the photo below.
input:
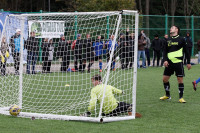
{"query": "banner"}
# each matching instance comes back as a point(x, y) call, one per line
point(47, 29)
point(2, 20)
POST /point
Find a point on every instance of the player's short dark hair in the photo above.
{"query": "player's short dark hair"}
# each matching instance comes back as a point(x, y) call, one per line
point(96, 77)
point(177, 28)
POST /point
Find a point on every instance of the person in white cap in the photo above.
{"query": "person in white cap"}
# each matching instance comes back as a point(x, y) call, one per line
point(15, 45)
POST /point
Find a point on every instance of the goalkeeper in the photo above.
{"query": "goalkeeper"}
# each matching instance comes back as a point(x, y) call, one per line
point(111, 107)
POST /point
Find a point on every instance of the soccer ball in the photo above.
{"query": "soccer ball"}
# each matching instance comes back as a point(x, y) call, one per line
point(14, 110)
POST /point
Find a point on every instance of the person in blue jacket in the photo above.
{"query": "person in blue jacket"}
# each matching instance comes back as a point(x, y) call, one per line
point(98, 48)
point(15, 46)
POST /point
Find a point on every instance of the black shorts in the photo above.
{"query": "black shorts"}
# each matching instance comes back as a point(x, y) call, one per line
point(98, 58)
point(174, 67)
point(121, 108)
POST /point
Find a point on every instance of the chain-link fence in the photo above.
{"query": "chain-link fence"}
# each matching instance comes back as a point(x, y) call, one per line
point(160, 25)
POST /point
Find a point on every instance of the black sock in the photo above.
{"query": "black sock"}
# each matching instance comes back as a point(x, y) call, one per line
point(84, 65)
point(89, 65)
point(167, 88)
point(181, 89)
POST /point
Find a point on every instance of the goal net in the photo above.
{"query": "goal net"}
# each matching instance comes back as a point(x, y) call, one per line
point(54, 61)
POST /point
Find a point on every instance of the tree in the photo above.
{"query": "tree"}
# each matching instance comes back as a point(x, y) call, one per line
point(173, 9)
point(147, 17)
point(187, 11)
point(166, 6)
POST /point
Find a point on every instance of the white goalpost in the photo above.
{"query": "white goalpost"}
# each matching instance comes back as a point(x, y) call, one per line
point(55, 56)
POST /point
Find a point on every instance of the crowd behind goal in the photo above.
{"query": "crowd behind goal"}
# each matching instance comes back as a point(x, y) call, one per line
point(84, 49)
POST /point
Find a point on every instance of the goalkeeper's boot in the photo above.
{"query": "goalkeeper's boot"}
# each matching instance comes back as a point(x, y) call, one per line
point(181, 100)
point(165, 98)
point(194, 85)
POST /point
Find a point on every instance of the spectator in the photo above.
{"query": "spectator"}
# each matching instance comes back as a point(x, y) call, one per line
point(147, 47)
point(4, 54)
point(131, 41)
point(50, 57)
point(164, 42)
point(98, 47)
point(189, 45)
point(124, 51)
point(89, 52)
point(156, 45)
point(32, 52)
point(45, 54)
point(78, 44)
point(141, 50)
point(109, 50)
point(15, 46)
point(64, 53)
point(198, 45)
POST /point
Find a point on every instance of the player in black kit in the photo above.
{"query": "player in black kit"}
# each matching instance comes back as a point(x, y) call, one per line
point(173, 62)
point(88, 52)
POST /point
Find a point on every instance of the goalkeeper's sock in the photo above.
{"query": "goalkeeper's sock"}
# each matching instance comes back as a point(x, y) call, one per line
point(100, 65)
point(167, 88)
point(113, 64)
point(198, 80)
point(181, 89)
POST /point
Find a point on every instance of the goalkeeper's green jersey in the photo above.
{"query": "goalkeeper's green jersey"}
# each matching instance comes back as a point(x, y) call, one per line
point(110, 103)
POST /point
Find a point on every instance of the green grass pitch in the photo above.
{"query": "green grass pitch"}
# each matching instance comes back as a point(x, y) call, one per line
point(158, 116)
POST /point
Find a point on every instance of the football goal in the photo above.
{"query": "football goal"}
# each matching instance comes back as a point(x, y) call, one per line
point(55, 59)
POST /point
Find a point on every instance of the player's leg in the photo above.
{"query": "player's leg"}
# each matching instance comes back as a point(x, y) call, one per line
point(100, 63)
point(181, 89)
point(166, 76)
point(195, 83)
point(158, 58)
point(179, 69)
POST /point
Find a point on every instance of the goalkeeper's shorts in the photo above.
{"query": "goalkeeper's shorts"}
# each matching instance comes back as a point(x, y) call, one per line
point(121, 108)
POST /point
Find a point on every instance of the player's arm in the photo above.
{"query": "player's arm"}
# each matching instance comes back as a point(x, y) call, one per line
point(93, 101)
point(116, 91)
point(165, 54)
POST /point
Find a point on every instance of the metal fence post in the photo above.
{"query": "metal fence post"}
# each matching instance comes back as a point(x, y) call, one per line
point(108, 27)
point(40, 44)
point(192, 27)
point(166, 24)
point(75, 27)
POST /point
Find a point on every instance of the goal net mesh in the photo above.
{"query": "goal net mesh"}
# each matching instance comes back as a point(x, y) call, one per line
point(56, 66)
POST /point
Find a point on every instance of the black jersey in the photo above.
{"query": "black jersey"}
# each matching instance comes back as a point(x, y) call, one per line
point(78, 47)
point(174, 48)
point(88, 47)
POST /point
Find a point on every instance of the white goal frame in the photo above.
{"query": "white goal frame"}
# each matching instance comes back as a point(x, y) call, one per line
point(4, 110)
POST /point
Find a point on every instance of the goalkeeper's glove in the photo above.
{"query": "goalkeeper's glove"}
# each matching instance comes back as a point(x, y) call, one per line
point(86, 114)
